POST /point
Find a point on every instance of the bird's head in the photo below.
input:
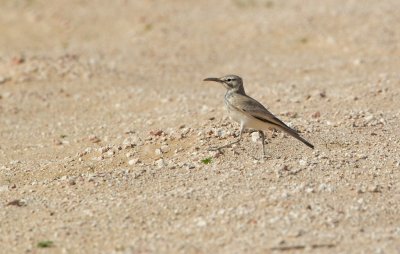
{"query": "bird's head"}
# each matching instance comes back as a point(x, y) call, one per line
point(229, 81)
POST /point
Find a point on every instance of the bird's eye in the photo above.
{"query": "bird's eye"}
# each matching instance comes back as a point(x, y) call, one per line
point(229, 79)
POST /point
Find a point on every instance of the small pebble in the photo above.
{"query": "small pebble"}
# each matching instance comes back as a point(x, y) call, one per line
point(255, 136)
point(316, 114)
point(160, 163)
point(201, 222)
point(129, 154)
point(375, 188)
point(57, 142)
point(185, 131)
point(3, 80)
point(156, 132)
point(104, 149)
point(191, 166)
point(165, 149)
point(130, 142)
point(110, 153)
point(369, 118)
point(158, 151)
point(17, 202)
point(99, 158)
point(180, 149)
point(221, 133)
point(133, 161)
point(94, 139)
point(303, 162)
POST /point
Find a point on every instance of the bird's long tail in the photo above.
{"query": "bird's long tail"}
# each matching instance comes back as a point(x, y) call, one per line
point(294, 134)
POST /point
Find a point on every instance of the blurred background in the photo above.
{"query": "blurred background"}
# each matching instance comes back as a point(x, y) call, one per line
point(141, 55)
point(185, 40)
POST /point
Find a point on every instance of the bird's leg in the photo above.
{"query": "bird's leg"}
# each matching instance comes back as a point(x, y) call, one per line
point(263, 143)
point(232, 143)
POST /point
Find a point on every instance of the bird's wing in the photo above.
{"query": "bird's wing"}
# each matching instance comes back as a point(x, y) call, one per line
point(251, 107)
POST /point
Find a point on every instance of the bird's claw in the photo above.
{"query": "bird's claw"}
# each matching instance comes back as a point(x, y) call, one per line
point(215, 149)
point(265, 157)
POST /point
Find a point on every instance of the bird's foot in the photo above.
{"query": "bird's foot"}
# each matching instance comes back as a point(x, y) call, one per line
point(213, 148)
point(265, 157)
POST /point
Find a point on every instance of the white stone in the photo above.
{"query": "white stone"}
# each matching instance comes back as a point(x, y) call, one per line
point(160, 163)
point(221, 133)
point(104, 149)
point(2, 80)
point(255, 136)
point(369, 118)
point(110, 153)
point(130, 142)
point(201, 222)
point(129, 154)
point(185, 131)
point(165, 149)
point(303, 162)
point(158, 151)
point(133, 161)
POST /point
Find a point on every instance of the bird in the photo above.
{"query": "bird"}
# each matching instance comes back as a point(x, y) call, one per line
point(250, 113)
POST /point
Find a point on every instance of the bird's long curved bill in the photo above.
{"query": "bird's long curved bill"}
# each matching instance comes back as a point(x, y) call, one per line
point(213, 79)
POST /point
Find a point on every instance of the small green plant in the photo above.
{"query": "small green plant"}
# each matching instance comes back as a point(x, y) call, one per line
point(148, 27)
point(269, 4)
point(206, 160)
point(63, 136)
point(303, 40)
point(244, 3)
point(45, 244)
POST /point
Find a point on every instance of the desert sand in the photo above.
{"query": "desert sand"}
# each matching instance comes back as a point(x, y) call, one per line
point(105, 125)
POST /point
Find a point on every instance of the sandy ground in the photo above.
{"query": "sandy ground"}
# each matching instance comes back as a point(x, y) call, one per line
point(105, 124)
